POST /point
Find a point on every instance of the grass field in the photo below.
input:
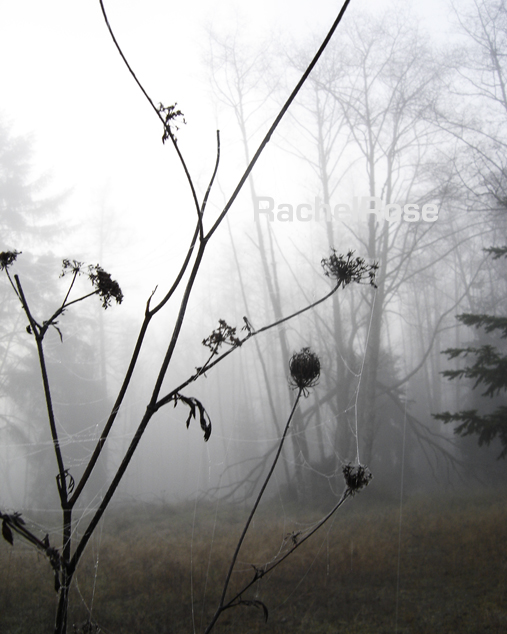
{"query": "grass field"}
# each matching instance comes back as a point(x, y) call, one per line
point(160, 570)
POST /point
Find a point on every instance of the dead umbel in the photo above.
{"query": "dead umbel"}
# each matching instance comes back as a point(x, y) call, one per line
point(356, 477)
point(304, 369)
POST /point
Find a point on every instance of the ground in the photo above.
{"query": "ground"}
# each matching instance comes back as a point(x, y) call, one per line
point(450, 575)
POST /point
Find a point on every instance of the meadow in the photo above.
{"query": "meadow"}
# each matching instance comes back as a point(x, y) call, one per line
point(158, 568)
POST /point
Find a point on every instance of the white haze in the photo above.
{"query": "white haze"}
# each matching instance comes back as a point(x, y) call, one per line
point(63, 82)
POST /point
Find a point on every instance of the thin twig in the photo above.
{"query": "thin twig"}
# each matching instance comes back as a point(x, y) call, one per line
point(166, 127)
point(206, 195)
point(36, 331)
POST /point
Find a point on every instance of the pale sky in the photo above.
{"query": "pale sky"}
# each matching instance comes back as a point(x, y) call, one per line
point(63, 82)
point(62, 78)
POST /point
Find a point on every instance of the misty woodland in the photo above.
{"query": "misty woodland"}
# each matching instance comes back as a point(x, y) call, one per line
point(217, 415)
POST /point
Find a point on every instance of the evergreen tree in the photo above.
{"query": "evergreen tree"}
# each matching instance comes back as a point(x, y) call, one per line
point(28, 223)
point(489, 370)
point(25, 210)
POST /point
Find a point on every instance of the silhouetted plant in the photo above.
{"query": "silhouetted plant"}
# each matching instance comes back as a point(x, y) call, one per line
point(304, 370)
point(104, 285)
point(223, 334)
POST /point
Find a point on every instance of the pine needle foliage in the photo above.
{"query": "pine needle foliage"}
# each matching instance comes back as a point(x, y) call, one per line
point(489, 370)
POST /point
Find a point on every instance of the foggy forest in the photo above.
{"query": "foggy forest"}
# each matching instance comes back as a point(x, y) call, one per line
point(253, 317)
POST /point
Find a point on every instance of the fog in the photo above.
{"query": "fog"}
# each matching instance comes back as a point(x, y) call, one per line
point(392, 152)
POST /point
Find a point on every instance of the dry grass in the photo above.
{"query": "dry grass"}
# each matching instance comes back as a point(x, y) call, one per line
point(345, 580)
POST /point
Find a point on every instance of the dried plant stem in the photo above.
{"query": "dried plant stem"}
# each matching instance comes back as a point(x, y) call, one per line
point(150, 411)
point(262, 573)
point(38, 335)
point(167, 128)
point(221, 606)
point(148, 315)
point(66, 573)
point(169, 397)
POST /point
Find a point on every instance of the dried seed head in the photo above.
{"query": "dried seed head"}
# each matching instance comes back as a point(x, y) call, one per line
point(304, 369)
point(347, 269)
point(356, 477)
point(7, 258)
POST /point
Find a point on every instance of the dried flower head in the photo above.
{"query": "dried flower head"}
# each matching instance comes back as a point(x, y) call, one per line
point(356, 477)
point(105, 285)
point(224, 334)
point(346, 269)
point(7, 258)
point(170, 115)
point(71, 266)
point(304, 369)
point(101, 280)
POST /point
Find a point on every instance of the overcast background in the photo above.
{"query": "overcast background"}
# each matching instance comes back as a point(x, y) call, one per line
point(95, 136)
